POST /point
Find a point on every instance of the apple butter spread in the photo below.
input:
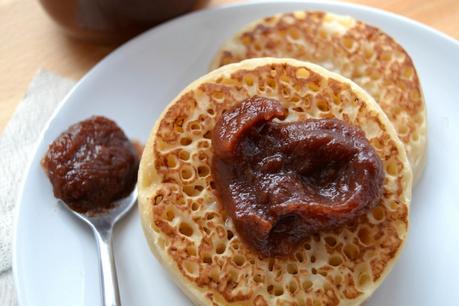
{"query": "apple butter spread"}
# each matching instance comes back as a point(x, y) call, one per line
point(281, 182)
point(91, 165)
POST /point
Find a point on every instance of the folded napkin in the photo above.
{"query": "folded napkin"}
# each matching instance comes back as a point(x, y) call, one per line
point(16, 144)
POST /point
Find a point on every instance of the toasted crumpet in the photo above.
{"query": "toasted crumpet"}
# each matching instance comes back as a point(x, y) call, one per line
point(191, 235)
point(358, 51)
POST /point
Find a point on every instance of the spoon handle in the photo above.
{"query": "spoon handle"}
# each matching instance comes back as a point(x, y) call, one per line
point(110, 291)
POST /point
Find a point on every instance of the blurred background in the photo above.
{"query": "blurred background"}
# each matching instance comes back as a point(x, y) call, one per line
point(32, 33)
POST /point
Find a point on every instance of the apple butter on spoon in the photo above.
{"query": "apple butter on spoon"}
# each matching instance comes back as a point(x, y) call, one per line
point(92, 167)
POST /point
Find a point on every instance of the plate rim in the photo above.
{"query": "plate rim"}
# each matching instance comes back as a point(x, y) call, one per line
point(34, 150)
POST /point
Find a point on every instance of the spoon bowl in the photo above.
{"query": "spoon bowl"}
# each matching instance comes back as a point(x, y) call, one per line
point(102, 225)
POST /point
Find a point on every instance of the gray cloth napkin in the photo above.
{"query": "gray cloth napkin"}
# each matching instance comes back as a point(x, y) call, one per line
point(16, 144)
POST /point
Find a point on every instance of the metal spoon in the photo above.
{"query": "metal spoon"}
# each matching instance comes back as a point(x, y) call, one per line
point(102, 226)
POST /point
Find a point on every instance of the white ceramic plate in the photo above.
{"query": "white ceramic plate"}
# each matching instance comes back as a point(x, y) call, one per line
point(55, 261)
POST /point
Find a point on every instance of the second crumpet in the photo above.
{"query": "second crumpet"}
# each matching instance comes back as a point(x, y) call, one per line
point(352, 48)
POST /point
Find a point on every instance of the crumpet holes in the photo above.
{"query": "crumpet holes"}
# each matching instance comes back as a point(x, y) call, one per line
point(364, 280)
point(317, 303)
point(208, 135)
point(270, 289)
point(292, 268)
point(212, 185)
point(239, 260)
point(271, 264)
point(187, 173)
point(386, 56)
point(161, 242)
point(285, 92)
point(246, 39)
point(335, 260)
point(195, 126)
point(298, 109)
point(178, 124)
point(302, 73)
point(232, 281)
point(313, 86)
point(194, 206)
point(284, 78)
point(403, 130)
point(278, 290)
point(394, 205)
point(378, 213)
point(203, 171)
point(408, 72)
point(158, 199)
point(191, 267)
point(258, 278)
point(220, 249)
point(307, 284)
point(292, 287)
point(351, 251)
point(204, 144)
point(207, 258)
point(248, 80)
point(338, 279)
point(191, 250)
point(323, 106)
point(392, 168)
point(170, 215)
point(330, 240)
point(185, 141)
point(202, 156)
point(299, 256)
point(261, 87)
point(294, 34)
point(171, 161)
point(193, 190)
point(215, 276)
point(348, 43)
point(185, 229)
point(364, 236)
point(271, 83)
point(184, 155)
point(218, 96)
point(229, 235)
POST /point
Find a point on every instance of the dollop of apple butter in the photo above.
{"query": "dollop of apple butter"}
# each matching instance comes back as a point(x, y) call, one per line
point(283, 181)
point(91, 165)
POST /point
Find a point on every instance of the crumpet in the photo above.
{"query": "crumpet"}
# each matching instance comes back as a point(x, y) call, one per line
point(192, 236)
